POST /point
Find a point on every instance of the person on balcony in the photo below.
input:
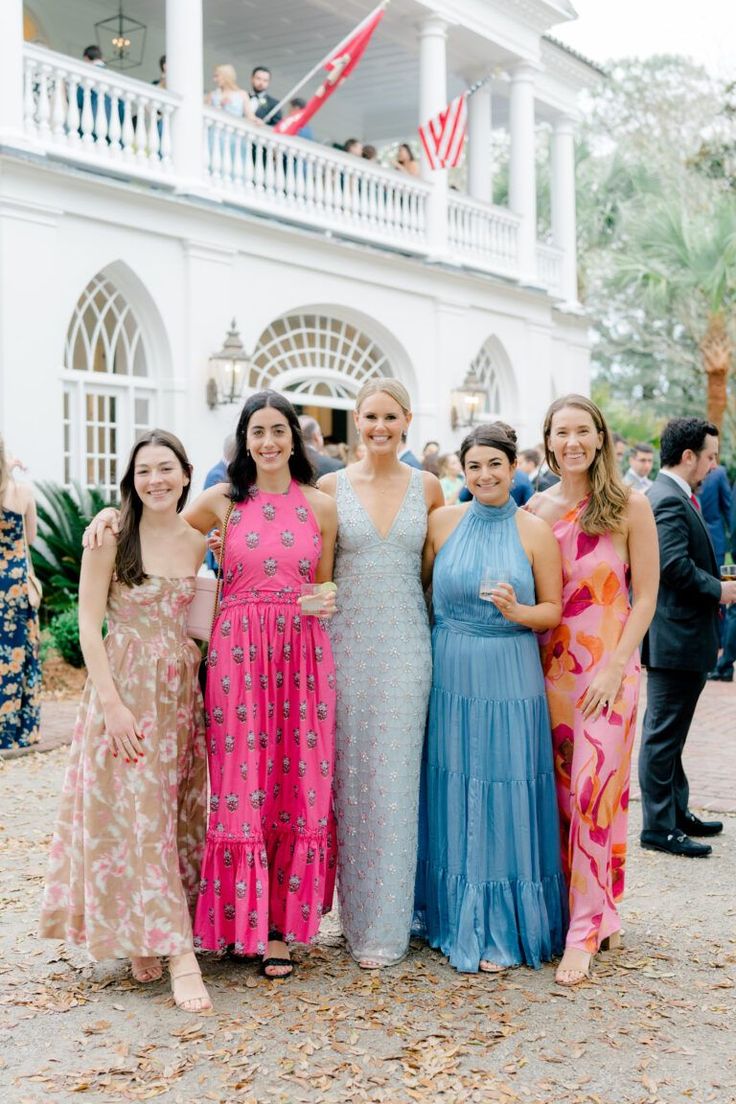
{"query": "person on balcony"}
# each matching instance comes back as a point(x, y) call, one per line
point(306, 132)
point(260, 101)
point(406, 161)
point(228, 95)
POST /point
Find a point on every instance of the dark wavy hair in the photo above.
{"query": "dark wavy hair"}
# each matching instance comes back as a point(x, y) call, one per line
point(129, 558)
point(683, 433)
point(242, 469)
point(496, 435)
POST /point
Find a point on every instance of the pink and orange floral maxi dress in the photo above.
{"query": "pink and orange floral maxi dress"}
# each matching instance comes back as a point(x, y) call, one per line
point(124, 865)
point(270, 713)
point(592, 758)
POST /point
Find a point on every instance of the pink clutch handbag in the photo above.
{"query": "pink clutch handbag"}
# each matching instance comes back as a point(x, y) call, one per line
point(203, 608)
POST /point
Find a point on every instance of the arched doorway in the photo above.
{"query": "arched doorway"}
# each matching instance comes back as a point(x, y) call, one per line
point(109, 395)
point(492, 367)
point(320, 360)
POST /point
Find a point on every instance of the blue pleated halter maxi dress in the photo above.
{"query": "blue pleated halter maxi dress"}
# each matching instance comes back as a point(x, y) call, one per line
point(489, 881)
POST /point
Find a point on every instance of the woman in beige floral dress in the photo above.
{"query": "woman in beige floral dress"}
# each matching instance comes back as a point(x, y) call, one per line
point(124, 866)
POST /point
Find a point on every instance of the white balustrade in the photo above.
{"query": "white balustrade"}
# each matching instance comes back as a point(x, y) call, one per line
point(88, 112)
point(549, 268)
point(312, 184)
point(483, 235)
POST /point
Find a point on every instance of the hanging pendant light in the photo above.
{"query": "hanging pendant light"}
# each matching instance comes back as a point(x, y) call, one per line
point(122, 40)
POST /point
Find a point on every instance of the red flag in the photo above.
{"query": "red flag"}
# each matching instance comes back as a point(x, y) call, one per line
point(339, 65)
point(443, 137)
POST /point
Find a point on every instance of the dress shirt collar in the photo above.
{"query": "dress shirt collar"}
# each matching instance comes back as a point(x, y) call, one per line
point(681, 483)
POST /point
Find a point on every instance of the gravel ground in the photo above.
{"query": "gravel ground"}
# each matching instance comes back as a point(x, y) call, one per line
point(656, 1022)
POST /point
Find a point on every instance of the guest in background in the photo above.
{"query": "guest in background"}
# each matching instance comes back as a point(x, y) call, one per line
point(337, 450)
point(20, 672)
point(715, 503)
point(215, 475)
point(407, 456)
point(354, 146)
point(682, 643)
point(607, 537)
point(314, 443)
point(641, 459)
point(723, 670)
point(406, 161)
point(544, 477)
point(522, 488)
point(452, 477)
point(430, 448)
point(161, 81)
point(261, 102)
point(490, 889)
point(298, 104)
point(620, 449)
point(370, 153)
point(228, 95)
point(529, 462)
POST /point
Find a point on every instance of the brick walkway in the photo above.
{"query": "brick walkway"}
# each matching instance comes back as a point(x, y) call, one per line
point(710, 753)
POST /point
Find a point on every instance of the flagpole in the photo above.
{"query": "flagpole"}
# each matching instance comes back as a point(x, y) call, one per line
point(382, 6)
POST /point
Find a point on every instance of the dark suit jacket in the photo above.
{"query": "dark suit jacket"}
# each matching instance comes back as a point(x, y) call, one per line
point(266, 103)
point(684, 632)
point(409, 458)
point(323, 464)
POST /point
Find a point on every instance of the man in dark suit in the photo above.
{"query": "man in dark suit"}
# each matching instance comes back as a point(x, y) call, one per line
point(260, 100)
point(682, 643)
point(314, 442)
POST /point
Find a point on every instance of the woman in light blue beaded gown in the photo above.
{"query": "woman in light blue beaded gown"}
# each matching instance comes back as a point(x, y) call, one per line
point(490, 890)
point(381, 647)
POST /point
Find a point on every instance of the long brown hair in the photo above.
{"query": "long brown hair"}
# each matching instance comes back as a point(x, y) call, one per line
point(129, 558)
point(609, 496)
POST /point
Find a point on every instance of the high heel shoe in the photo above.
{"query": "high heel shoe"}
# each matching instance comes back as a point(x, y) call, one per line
point(197, 998)
point(577, 972)
point(612, 942)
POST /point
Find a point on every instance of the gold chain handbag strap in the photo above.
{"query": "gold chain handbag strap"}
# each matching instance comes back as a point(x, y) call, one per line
point(220, 561)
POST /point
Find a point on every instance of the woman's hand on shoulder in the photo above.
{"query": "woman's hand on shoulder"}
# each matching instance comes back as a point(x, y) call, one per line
point(106, 520)
point(434, 496)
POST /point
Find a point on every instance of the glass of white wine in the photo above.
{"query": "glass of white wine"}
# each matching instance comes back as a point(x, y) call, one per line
point(492, 578)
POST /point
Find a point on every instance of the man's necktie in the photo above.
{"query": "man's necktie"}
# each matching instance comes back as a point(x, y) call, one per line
point(694, 500)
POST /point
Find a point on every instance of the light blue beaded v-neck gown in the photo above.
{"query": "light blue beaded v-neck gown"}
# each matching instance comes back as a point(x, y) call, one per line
point(489, 881)
point(381, 647)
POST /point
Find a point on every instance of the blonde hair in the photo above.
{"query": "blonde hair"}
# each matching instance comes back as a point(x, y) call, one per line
point(609, 496)
point(228, 72)
point(387, 386)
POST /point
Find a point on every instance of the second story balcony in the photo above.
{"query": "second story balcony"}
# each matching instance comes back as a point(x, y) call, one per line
point(61, 109)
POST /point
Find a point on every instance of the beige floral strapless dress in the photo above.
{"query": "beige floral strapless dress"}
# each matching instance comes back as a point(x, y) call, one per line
point(124, 866)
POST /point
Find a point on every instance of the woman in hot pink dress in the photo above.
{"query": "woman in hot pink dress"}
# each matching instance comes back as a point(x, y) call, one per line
point(269, 865)
point(608, 541)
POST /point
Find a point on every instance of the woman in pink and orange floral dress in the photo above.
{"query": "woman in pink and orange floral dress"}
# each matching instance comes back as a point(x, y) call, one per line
point(608, 541)
point(269, 866)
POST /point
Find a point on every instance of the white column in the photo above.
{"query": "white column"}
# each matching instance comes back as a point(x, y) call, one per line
point(432, 99)
point(564, 232)
point(480, 167)
point(11, 72)
point(522, 170)
point(184, 42)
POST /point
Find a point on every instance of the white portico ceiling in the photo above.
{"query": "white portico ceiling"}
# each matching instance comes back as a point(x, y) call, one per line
point(378, 102)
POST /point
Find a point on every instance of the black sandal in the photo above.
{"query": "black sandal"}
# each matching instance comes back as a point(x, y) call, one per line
point(274, 936)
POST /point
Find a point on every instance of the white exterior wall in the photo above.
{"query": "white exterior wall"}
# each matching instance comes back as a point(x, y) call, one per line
point(187, 268)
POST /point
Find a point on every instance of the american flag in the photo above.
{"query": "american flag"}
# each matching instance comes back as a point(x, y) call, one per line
point(443, 137)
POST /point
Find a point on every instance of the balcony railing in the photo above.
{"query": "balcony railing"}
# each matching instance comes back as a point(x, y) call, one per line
point(91, 114)
point(313, 184)
point(483, 235)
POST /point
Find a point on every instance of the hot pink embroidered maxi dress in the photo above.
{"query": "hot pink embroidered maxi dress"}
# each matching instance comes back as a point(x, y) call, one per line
point(592, 758)
point(270, 855)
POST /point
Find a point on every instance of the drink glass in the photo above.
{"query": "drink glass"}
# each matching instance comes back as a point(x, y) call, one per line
point(312, 598)
point(728, 572)
point(491, 578)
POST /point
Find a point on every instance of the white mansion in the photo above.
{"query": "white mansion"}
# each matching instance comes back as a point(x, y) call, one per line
point(136, 223)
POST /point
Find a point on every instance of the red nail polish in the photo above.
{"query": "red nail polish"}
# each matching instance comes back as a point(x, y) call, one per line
point(126, 759)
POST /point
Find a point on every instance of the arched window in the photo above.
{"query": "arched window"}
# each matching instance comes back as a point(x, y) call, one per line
point(485, 369)
point(316, 359)
point(109, 397)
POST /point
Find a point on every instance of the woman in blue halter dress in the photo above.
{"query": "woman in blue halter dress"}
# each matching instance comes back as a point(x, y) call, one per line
point(490, 891)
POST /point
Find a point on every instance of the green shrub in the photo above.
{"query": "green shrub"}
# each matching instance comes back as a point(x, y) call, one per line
point(62, 518)
point(64, 629)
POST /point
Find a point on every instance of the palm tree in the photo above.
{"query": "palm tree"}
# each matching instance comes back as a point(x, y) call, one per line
point(684, 263)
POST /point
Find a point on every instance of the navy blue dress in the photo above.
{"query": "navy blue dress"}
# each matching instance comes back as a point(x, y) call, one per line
point(20, 672)
point(489, 883)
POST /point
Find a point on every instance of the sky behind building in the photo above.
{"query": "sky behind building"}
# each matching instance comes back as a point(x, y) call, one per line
point(607, 29)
